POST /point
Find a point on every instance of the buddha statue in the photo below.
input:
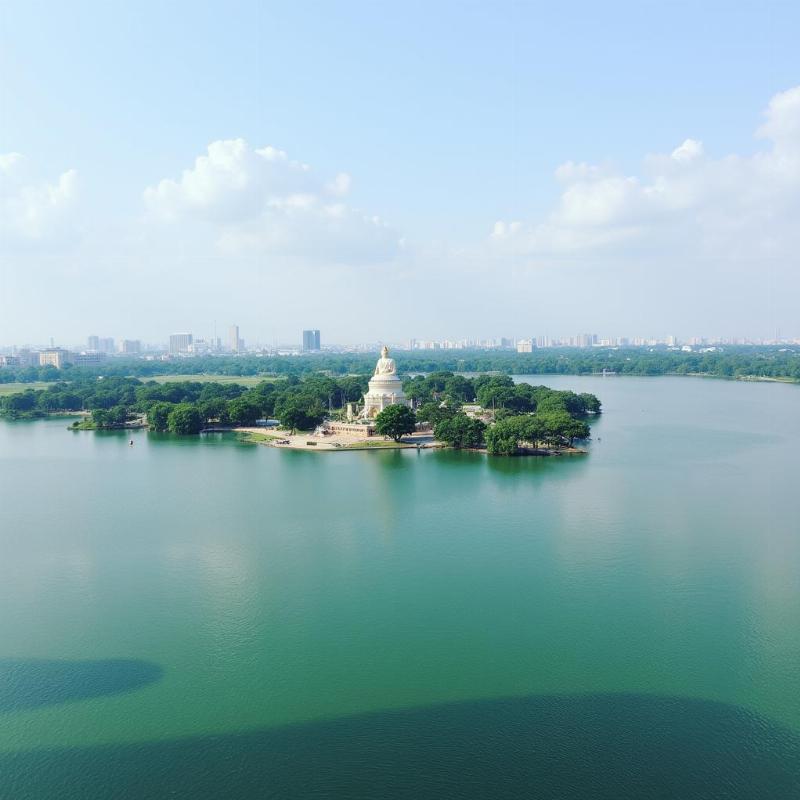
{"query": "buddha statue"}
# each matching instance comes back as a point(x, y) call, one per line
point(385, 365)
point(385, 387)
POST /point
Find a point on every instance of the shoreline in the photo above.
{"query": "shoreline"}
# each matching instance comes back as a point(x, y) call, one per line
point(344, 444)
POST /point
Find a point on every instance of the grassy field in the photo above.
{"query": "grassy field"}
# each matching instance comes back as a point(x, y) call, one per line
point(253, 438)
point(374, 444)
point(243, 380)
point(16, 388)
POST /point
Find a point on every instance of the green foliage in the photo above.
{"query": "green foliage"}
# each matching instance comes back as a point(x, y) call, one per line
point(296, 415)
point(184, 419)
point(244, 410)
point(501, 439)
point(460, 431)
point(434, 413)
point(114, 417)
point(158, 416)
point(395, 421)
point(216, 410)
point(555, 428)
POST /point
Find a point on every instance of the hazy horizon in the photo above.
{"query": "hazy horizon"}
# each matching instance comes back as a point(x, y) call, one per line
point(385, 173)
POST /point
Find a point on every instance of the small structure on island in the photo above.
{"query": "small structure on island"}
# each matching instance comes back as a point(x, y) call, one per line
point(385, 387)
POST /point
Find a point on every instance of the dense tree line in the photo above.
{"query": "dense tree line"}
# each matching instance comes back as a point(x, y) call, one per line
point(732, 362)
point(189, 406)
point(520, 415)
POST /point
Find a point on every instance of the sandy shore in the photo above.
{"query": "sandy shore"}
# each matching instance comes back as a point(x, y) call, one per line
point(275, 437)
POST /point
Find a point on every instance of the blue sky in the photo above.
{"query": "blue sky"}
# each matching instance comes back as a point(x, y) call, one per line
point(447, 118)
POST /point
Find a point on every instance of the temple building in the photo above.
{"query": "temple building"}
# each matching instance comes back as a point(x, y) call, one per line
point(385, 387)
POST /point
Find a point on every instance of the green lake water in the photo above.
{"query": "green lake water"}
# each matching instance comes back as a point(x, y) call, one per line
point(196, 617)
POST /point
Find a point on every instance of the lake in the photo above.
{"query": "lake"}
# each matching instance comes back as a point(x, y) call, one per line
point(197, 617)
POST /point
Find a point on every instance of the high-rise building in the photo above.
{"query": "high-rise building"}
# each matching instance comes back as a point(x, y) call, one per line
point(55, 357)
point(93, 343)
point(233, 339)
point(106, 344)
point(179, 343)
point(310, 341)
point(525, 346)
point(131, 346)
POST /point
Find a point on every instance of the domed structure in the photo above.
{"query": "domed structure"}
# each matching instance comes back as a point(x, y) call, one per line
point(385, 387)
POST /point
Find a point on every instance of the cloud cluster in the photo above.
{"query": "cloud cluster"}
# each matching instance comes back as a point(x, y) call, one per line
point(259, 201)
point(683, 204)
point(32, 210)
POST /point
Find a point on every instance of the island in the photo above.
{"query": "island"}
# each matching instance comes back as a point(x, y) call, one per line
point(488, 412)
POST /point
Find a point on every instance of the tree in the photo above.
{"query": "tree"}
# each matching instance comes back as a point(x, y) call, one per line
point(434, 413)
point(184, 419)
point(24, 401)
point(244, 410)
point(214, 409)
point(501, 438)
point(559, 427)
point(590, 403)
point(114, 417)
point(460, 431)
point(296, 415)
point(158, 416)
point(459, 389)
point(395, 421)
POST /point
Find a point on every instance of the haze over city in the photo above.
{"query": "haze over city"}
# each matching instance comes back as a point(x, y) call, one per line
point(147, 187)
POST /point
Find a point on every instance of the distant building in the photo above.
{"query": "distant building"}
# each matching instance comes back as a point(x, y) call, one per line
point(28, 357)
point(90, 358)
point(131, 346)
point(200, 347)
point(525, 346)
point(233, 339)
point(10, 361)
point(179, 343)
point(311, 341)
point(55, 357)
point(100, 344)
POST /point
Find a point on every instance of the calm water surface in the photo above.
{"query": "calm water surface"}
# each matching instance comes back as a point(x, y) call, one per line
point(193, 617)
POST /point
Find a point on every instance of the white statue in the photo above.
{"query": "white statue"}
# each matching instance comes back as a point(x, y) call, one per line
point(385, 365)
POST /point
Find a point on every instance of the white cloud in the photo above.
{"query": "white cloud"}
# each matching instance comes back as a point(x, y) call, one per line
point(259, 201)
point(32, 210)
point(782, 126)
point(688, 151)
point(683, 204)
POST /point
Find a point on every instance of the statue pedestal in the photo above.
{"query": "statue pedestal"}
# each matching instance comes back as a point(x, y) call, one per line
point(384, 391)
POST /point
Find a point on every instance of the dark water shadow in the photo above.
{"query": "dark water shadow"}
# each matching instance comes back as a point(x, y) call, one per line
point(582, 747)
point(33, 683)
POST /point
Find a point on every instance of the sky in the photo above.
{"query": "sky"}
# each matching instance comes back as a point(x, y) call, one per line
point(386, 170)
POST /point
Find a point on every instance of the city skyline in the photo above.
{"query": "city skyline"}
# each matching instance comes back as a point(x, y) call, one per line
point(309, 341)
